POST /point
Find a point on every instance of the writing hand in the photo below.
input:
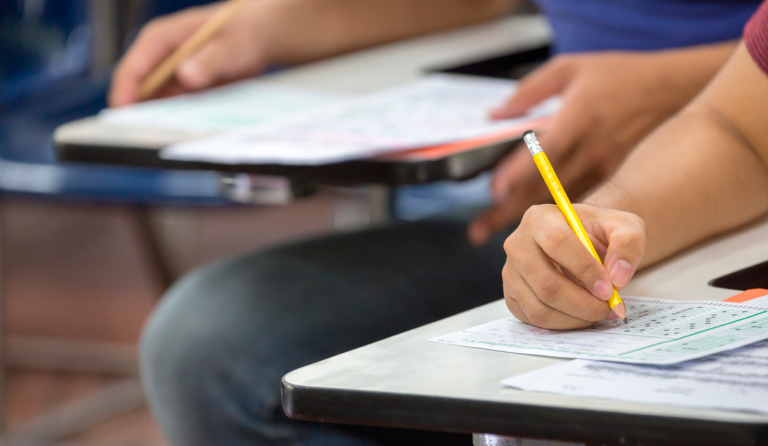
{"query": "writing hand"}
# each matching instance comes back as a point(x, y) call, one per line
point(551, 279)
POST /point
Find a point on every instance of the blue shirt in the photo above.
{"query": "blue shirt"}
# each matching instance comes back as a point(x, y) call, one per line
point(596, 25)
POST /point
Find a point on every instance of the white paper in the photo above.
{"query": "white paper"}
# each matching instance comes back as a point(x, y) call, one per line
point(659, 332)
point(435, 110)
point(242, 104)
point(734, 380)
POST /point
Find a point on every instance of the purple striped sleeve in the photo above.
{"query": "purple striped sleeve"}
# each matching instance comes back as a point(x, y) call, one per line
point(756, 37)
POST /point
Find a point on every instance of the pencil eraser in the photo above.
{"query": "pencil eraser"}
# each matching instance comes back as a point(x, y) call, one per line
point(527, 132)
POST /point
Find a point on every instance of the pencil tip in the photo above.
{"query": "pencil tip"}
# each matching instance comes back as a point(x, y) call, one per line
point(625, 321)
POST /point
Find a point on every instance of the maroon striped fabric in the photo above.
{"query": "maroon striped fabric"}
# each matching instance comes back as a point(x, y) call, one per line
point(756, 37)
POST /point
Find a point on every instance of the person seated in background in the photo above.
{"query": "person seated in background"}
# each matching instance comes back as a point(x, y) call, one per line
point(702, 173)
point(214, 351)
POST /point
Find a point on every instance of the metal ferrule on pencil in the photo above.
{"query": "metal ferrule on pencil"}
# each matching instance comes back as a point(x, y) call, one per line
point(533, 144)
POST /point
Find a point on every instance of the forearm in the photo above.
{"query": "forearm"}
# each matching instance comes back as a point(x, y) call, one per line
point(688, 70)
point(687, 186)
point(703, 172)
point(304, 30)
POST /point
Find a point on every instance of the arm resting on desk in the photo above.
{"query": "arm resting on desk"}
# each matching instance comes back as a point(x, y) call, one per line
point(706, 170)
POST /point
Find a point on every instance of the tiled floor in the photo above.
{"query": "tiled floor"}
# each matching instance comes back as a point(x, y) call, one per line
point(76, 271)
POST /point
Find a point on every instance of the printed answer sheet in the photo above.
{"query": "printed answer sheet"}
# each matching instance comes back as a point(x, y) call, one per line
point(435, 110)
point(242, 104)
point(659, 332)
point(734, 380)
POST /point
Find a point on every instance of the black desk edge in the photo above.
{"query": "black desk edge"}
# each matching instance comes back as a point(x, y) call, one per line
point(520, 420)
point(454, 167)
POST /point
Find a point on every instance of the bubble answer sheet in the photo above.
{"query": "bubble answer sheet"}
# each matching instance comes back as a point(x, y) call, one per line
point(733, 380)
point(659, 332)
point(435, 110)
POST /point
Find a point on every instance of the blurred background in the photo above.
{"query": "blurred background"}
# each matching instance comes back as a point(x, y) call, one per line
point(86, 251)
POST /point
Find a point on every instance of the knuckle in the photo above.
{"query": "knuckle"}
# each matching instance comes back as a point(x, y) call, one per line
point(527, 266)
point(538, 216)
point(506, 273)
point(537, 316)
point(553, 239)
point(514, 308)
point(510, 245)
point(587, 269)
point(639, 223)
point(631, 240)
point(529, 217)
point(548, 288)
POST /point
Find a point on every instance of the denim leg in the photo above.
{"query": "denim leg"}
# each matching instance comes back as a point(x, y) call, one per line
point(214, 351)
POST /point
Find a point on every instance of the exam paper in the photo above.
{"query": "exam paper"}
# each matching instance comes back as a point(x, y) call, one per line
point(242, 104)
point(435, 110)
point(659, 332)
point(734, 380)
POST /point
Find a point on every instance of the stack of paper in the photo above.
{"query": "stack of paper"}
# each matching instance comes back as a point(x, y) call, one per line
point(436, 110)
point(734, 380)
point(243, 104)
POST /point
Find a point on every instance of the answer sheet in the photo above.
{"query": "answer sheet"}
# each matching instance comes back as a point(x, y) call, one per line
point(659, 332)
point(242, 104)
point(435, 110)
point(734, 380)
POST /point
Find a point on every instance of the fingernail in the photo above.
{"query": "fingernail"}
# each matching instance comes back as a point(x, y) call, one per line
point(613, 315)
point(603, 290)
point(620, 273)
point(193, 74)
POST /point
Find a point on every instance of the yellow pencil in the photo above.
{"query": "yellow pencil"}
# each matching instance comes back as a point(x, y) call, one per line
point(160, 76)
point(565, 206)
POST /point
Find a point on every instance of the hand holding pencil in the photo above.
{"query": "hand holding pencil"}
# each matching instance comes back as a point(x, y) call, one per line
point(192, 50)
point(552, 280)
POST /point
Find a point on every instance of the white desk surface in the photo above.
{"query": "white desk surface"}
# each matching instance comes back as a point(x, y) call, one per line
point(408, 364)
point(353, 73)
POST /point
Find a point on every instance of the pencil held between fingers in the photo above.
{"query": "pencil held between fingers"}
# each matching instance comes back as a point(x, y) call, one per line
point(235, 51)
point(552, 281)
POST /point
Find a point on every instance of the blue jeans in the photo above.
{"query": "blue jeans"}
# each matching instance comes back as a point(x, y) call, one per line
point(214, 351)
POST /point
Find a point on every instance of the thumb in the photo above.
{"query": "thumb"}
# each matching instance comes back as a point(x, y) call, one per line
point(545, 82)
point(626, 247)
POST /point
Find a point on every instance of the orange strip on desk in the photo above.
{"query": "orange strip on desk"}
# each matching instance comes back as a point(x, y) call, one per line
point(442, 150)
point(747, 295)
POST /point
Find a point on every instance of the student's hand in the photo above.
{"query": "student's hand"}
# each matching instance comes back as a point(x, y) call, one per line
point(552, 281)
point(610, 102)
point(283, 32)
point(237, 51)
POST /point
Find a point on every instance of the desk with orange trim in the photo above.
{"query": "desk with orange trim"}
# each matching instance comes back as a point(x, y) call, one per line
point(405, 381)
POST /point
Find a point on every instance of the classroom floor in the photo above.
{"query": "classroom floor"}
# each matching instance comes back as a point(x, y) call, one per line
point(76, 272)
